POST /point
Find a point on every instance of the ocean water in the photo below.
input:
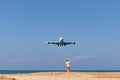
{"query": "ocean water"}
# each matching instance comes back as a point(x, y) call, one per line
point(33, 71)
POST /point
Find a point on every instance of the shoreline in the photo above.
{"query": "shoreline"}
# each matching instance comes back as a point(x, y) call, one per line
point(36, 71)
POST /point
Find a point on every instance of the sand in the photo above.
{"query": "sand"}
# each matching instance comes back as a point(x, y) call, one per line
point(63, 76)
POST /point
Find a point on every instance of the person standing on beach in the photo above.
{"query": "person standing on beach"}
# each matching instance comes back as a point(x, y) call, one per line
point(67, 65)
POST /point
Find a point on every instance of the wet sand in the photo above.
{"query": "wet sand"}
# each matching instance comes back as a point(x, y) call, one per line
point(63, 76)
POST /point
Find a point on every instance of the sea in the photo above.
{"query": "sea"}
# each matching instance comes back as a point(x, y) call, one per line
point(34, 71)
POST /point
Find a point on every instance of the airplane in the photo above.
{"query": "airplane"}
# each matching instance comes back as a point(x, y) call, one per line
point(61, 42)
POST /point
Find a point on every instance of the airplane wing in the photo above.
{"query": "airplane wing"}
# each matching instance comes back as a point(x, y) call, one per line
point(67, 43)
point(56, 43)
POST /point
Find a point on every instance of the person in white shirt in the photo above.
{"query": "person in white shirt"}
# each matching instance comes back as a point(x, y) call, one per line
point(67, 65)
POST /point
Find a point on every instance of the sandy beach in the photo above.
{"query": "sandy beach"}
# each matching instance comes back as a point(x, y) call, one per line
point(63, 76)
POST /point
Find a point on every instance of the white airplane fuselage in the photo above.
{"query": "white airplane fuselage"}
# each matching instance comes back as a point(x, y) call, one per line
point(61, 40)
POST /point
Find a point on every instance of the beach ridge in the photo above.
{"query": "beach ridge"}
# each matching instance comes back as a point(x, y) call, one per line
point(64, 76)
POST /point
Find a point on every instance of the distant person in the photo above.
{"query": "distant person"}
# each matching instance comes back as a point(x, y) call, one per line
point(67, 63)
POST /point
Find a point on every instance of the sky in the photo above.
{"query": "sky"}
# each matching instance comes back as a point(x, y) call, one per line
point(26, 24)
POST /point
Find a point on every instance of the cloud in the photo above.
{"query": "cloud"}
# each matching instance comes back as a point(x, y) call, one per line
point(79, 58)
point(13, 61)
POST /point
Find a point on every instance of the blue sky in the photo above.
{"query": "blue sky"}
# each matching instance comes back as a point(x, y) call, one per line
point(93, 24)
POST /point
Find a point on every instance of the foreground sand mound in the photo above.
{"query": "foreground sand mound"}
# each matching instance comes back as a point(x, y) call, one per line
point(81, 74)
point(63, 76)
point(6, 78)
